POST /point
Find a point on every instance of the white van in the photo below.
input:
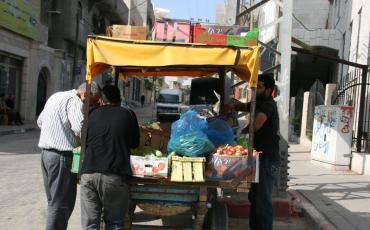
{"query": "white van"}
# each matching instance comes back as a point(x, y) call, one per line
point(169, 104)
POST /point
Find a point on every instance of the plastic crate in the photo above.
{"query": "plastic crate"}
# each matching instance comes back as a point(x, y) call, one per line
point(187, 169)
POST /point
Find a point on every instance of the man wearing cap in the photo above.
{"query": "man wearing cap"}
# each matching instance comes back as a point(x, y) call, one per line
point(266, 140)
point(60, 123)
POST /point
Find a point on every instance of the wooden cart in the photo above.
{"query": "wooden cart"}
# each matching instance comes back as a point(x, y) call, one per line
point(149, 58)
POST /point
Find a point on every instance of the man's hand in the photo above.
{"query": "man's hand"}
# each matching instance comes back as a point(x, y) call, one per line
point(227, 108)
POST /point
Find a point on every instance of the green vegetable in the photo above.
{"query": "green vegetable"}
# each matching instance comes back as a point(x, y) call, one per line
point(158, 153)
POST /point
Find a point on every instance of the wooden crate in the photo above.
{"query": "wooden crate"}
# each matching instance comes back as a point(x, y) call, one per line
point(187, 169)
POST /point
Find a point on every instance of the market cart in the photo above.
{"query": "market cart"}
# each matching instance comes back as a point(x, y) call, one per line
point(149, 58)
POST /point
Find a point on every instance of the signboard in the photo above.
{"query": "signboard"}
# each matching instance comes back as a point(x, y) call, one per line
point(171, 31)
point(201, 35)
point(230, 30)
point(20, 16)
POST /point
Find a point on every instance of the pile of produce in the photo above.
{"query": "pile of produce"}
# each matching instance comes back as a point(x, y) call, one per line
point(237, 151)
point(145, 151)
point(229, 150)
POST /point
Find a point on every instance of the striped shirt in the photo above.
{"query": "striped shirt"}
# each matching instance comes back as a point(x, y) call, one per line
point(61, 121)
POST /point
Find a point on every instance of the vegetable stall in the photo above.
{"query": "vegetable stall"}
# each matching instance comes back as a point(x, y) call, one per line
point(188, 184)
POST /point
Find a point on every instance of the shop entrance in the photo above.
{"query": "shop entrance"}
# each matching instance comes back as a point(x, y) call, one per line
point(42, 90)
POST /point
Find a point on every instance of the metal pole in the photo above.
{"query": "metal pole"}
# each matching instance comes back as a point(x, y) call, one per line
point(361, 109)
point(223, 93)
point(251, 136)
point(75, 49)
point(116, 74)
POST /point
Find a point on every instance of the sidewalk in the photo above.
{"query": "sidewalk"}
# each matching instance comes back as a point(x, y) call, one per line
point(14, 129)
point(341, 197)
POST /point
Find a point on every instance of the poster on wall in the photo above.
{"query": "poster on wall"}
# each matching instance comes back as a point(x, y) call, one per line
point(20, 16)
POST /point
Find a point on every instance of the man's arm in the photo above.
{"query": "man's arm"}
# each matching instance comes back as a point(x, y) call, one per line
point(75, 115)
point(259, 120)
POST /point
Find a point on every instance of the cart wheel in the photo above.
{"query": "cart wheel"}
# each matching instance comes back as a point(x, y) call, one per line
point(127, 222)
point(219, 217)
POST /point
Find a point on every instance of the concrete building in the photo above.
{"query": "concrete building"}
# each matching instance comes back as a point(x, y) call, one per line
point(38, 52)
point(43, 42)
point(226, 13)
point(24, 54)
point(351, 18)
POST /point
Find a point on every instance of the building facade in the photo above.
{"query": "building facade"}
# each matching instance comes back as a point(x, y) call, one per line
point(24, 55)
point(43, 42)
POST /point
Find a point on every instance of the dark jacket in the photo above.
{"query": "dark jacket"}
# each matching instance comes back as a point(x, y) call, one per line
point(112, 132)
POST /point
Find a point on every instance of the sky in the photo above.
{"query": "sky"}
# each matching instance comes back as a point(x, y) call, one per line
point(186, 9)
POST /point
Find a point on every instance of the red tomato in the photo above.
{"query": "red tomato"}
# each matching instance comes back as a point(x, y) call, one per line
point(155, 169)
point(161, 166)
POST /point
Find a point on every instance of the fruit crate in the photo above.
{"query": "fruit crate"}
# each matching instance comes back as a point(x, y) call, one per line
point(149, 166)
point(187, 169)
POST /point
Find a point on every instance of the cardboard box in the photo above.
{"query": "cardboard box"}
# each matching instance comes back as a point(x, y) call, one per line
point(154, 138)
point(149, 166)
point(127, 32)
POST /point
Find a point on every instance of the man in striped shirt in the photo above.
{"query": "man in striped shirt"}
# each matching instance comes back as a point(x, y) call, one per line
point(60, 123)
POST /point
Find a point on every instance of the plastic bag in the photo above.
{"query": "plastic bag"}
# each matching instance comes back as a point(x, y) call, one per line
point(188, 122)
point(191, 144)
point(219, 132)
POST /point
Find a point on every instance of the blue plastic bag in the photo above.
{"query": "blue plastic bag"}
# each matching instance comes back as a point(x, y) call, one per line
point(191, 144)
point(219, 132)
point(188, 122)
point(187, 138)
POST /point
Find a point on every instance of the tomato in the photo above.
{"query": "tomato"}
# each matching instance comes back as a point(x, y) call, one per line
point(155, 169)
point(161, 166)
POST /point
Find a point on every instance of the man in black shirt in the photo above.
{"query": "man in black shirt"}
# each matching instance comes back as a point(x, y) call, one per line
point(112, 132)
point(266, 139)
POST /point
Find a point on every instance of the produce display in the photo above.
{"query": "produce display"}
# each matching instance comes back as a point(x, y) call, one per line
point(229, 162)
point(149, 165)
point(145, 151)
point(228, 150)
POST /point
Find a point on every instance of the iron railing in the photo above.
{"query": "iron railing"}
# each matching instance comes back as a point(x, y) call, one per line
point(349, 92)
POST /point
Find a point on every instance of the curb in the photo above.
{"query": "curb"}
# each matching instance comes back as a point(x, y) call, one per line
point(16, 131)
point(307, 209)
point(282, 208)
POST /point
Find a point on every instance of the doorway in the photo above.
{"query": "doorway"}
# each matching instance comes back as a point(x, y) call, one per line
point(41, 90)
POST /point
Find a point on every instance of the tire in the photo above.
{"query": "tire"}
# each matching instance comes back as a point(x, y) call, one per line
point(219, 217)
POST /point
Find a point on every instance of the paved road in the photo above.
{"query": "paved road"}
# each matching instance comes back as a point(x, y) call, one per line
point(22, 197)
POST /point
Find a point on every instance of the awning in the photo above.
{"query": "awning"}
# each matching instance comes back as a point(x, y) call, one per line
point(152, 58)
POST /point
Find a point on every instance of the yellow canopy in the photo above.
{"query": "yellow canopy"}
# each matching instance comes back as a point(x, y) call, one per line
point(152, 58)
